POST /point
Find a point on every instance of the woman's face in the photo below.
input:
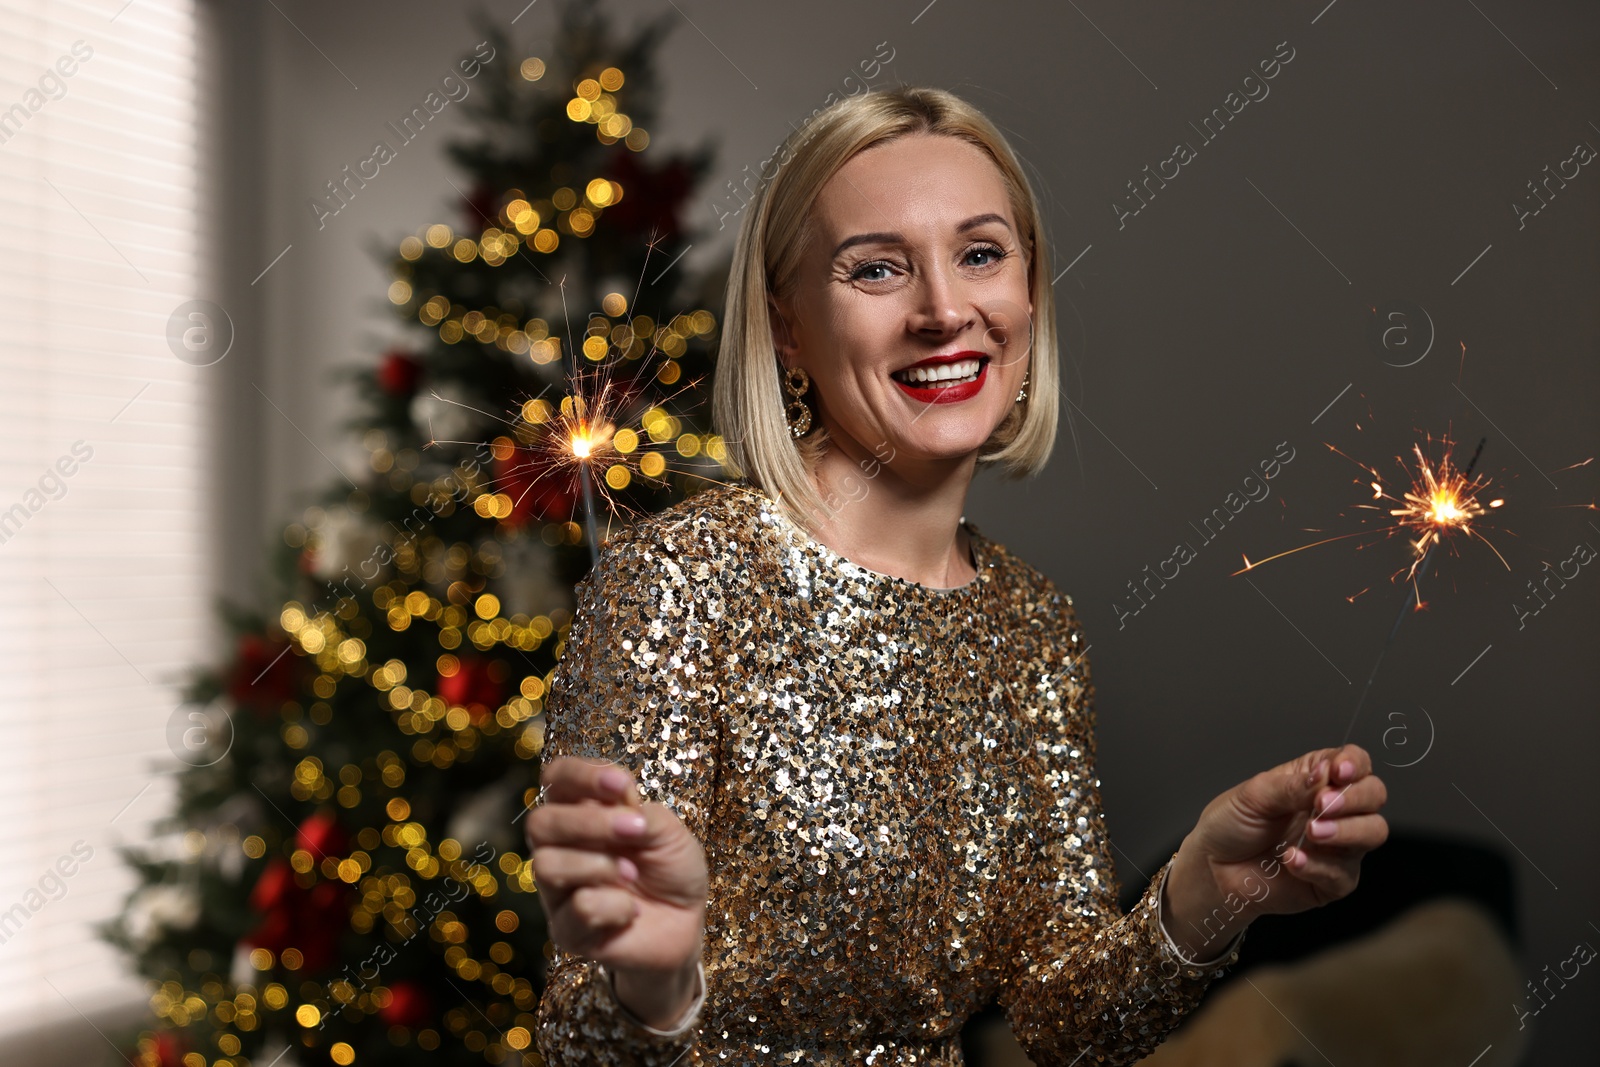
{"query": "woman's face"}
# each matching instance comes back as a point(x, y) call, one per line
point(915, 255)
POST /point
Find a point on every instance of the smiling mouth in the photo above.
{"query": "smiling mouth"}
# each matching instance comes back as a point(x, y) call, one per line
point(941, 375)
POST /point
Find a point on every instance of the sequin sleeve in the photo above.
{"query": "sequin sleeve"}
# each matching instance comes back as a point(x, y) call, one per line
point(1091, 985)
point(629, 687)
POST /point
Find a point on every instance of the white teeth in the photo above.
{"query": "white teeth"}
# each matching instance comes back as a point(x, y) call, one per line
point(965, 369)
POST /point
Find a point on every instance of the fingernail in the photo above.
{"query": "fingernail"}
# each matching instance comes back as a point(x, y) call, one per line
point(1347, 769)
point(1321, 828)
point(613, 780)
point(626, 868)
point(1332, 802)
point(628, 823)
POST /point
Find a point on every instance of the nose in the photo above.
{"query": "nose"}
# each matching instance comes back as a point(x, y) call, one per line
point(945, 306)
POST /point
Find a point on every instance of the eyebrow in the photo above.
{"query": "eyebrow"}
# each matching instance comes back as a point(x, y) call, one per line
point(893, 238)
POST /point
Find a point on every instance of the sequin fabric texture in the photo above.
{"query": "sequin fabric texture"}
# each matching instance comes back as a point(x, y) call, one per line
point(895, 788)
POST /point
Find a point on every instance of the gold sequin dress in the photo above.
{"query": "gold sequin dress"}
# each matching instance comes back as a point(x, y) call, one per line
point(895, 788)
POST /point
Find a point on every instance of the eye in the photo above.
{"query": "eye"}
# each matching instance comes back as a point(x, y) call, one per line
point(877, 264)
point(988, 250)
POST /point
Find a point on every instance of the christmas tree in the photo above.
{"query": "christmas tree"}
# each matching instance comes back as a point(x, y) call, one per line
point(345, 873)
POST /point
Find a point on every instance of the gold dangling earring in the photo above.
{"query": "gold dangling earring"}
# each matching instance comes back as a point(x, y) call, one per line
point(1022, 394)
point(796, 382)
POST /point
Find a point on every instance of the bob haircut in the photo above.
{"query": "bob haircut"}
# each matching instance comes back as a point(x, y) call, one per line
point(748, 400)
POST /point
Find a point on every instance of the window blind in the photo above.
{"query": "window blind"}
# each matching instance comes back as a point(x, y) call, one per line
point(102, 461)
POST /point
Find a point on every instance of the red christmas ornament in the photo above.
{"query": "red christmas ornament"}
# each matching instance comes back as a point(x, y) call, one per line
point(170, 1048)
point(274, 886)
point(273, 931)
point(325, 915)
point(651, 196)
point(540, 488)
point(275, 897)
point(264, 673)
point(398, 373)
point(481, 208)
point(292, 916)
point(322, 836)
point(473, 686)
point(409, 1005)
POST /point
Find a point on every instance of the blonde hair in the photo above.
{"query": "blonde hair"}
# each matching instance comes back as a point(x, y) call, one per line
point(748, 400)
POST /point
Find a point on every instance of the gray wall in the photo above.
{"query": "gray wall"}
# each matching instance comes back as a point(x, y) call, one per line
point(1227, 316)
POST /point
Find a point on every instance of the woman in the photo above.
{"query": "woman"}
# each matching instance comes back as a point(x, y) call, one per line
point(819, 781)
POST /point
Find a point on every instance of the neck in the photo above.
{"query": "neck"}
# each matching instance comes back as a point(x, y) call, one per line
point(904, 522)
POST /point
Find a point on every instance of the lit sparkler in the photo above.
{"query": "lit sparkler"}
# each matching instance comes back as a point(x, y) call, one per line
point(603, 435)
point(588, 434)
point(588, 438)
point(1435, 502)
point(1438, 502)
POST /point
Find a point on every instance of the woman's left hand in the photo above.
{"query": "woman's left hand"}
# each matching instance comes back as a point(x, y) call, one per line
point(1311, 819)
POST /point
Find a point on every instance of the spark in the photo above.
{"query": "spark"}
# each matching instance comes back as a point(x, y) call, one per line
point(1431, 503)
point(602, 428)
point(1440, 501)
point(608, 428)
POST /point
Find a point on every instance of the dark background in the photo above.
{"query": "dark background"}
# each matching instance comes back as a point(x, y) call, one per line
point(1230, 315)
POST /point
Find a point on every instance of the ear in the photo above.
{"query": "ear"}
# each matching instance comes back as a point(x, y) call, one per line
point(782, 337)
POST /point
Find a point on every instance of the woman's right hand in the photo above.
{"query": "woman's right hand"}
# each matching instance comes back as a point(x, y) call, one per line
point(634, 901)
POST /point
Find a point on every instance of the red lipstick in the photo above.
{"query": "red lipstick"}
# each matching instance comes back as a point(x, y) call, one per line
point(939, 391)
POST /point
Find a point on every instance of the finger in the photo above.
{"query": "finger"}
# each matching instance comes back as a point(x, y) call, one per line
point(1363, 832)
point(1349, 763)
point(1359, 797)
point(1331, 874)
point(563, 870)
point(1288, 788)
point(594, 908)
point(595, 827)
point(571, 779)
point(1294, 784)
point(1339, 765)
